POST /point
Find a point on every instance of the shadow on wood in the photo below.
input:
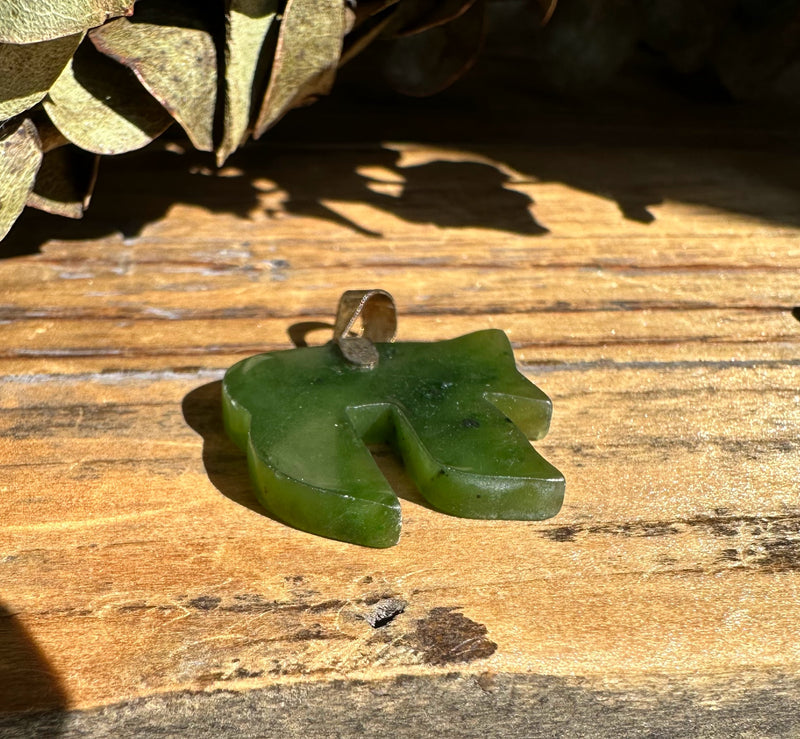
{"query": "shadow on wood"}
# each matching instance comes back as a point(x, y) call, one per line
point(138, 189)
point(225, 463)
point(28, 684)
point(633, 164)
point(298, 332)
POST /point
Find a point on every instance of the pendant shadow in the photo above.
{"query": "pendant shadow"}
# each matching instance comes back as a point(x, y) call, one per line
point(298, 332)
point(225, 463)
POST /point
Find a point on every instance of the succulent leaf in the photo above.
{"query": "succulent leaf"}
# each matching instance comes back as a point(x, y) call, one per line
point(173, 55)
point(416, 16)
point(365, 33)
point(309, 46)
point(427, 62)
point(65, 181)
point(29, 21)
point(247, 24)
point(226, 68)
point(20, 158)
point(101, 107)
point(759, 49)
point(367, 8)
point(28, 70)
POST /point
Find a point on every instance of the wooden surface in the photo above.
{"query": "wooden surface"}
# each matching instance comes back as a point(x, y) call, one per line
point(646, 272)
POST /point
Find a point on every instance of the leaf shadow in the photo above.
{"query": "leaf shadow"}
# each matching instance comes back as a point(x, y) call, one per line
point(32, 698)
point(637, 148)
point(447, 194)
point(133, 191)
point(705, 156)
point(138, 189)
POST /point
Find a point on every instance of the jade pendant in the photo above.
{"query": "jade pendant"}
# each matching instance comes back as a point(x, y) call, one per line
point(457, 412)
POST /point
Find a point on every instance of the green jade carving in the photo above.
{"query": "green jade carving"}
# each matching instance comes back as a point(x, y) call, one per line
point(458, 413)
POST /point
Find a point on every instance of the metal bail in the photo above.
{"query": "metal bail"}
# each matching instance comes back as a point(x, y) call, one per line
point(375, 311)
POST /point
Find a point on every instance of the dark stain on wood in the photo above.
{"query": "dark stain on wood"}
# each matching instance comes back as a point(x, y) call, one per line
point(667, 446)
point(315, 632)
point(205, 602)
point(240, 673)
point(626, 529)
point(446, 636)
point(373, 598)
point(780, 555)
point(255, 603)
point(142, 607)
point(770, 543)
point(77, 420)
point(718, 526)
point(562, 533)
point(333, 604)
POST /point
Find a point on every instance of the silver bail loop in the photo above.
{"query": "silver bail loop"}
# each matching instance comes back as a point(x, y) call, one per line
point(362, 318)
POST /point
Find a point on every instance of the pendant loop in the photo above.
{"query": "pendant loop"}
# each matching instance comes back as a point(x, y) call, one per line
point(377, 314)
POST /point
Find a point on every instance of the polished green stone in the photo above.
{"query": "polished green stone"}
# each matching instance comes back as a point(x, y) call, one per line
point(458, 413)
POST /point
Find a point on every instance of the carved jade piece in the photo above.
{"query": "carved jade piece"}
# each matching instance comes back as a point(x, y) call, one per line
point(458, 413)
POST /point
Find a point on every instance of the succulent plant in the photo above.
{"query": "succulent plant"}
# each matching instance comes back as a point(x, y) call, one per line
point(99, 77)
point(84, 78)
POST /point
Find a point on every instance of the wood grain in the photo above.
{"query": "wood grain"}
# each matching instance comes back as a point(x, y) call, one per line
point(141, 584)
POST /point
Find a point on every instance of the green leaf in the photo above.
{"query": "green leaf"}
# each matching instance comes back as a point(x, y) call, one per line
point(172, 52)
point(28, 21)
point(309, 47)
point(65, 182)
point(247, 24)
point(101, 107)
point(20, 157)
point(28, 70)
point(427, 62)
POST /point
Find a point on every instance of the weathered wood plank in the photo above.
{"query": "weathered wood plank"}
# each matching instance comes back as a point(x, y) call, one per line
point(143, 576)
point(306, 291)
point(651, 572)
point(548, 335)
point(455, 705)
